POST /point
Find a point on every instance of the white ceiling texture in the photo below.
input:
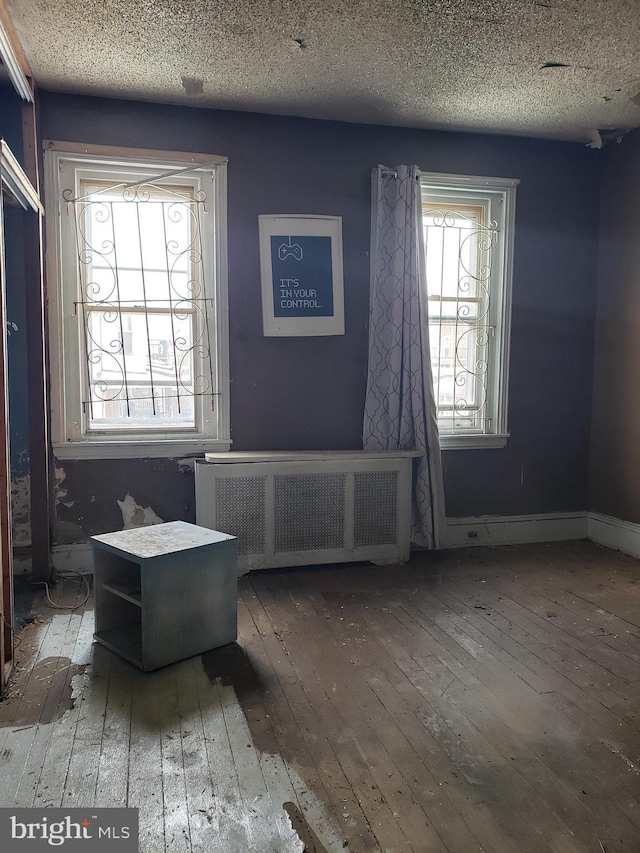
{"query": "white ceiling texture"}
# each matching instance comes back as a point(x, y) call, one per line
point(558, 69)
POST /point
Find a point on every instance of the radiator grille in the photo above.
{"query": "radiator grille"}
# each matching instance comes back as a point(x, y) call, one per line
point(309, 511)
point(326, 508)
point(375, 508)
point(240, 506)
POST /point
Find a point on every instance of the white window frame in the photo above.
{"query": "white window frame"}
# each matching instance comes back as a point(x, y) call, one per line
point(500, 195)
point(65, 165)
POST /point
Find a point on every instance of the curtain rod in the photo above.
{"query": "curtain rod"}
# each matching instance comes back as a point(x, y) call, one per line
point(193, 167)
point(394, 172)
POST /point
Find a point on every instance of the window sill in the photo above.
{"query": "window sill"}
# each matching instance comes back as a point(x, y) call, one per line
point(473, 442)
point(123, 449)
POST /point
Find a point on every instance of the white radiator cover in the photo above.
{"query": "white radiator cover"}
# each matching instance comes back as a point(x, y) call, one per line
point(296, 509)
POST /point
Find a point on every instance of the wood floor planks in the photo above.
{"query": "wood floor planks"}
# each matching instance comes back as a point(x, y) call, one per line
point(461, 731)
point(507, 691)
point(82, 775)
point(478, 700)
point(401, 730)
point(297, 727)
point(326, 701)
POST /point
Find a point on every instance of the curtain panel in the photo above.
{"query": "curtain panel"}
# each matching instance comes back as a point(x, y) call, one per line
point(400, 411)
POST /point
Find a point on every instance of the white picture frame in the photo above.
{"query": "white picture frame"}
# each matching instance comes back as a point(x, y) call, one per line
point(301, 266)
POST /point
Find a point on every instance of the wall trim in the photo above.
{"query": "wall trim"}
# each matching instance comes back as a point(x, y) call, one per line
point(491, 529)
point(614, 533)
point(513, 529)
point(72, 558)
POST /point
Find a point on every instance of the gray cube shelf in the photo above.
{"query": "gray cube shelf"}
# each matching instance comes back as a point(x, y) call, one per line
point(165, 592)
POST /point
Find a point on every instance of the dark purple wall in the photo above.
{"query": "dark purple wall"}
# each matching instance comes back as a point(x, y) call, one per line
point(308, 393)
point(615, 451)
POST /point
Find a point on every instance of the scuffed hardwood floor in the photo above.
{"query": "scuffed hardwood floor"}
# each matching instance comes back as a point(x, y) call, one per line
point(478, 700)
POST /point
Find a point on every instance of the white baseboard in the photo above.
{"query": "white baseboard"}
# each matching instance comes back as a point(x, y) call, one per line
point(513, 529)
point(72, 558)
point(488, 529)
point(614, 533)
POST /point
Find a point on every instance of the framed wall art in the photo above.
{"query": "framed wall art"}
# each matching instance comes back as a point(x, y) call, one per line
point(302, 278)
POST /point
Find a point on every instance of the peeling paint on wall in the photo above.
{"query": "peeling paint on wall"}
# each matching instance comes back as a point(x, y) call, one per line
point(21, 512)
point(95, 496)
point(134, 515)
point(59, 493)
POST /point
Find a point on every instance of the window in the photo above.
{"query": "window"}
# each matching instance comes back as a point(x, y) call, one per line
point(137, 281)
point(468, 235)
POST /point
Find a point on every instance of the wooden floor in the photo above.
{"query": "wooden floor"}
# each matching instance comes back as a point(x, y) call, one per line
point(477, 700)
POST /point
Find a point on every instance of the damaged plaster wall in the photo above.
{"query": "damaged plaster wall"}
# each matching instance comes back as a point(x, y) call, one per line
point(18, 390)
point(134, 515)
point(21, 511)
point(21, 524)
point(100, 496)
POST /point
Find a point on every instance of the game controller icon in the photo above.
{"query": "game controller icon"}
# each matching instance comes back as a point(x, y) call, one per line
point(293, 250)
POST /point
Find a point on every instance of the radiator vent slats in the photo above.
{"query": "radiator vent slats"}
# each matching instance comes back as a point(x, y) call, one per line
point(240, 503)
point(298, 512)
point(375, 508)
point(309, 511)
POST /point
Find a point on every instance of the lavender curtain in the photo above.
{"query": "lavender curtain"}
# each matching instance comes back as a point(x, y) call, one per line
point(400, 412)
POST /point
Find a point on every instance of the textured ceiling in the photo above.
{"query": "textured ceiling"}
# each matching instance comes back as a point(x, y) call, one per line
point(549, 68)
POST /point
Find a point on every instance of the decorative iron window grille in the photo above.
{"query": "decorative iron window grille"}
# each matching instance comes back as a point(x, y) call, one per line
point(458, 246)
point(143, 305)
point(468, 228)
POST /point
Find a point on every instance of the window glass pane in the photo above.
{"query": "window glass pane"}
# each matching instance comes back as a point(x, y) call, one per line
point(143, 308)
point(458, 268)
point(132, 361)
point(139, 411)
point(451, 239)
